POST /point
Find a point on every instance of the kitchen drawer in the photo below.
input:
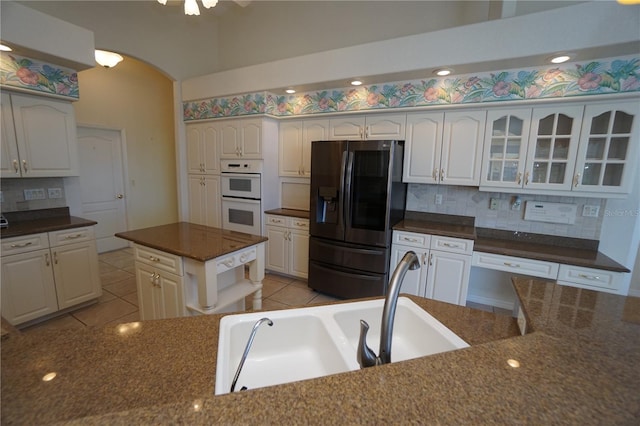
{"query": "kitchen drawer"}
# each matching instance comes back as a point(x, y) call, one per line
point(235, 259)
point(70, 236)
point(297, 223)
point(411, 239)
point(517, 265)
point(276, 220)
point(594, 279)
point(451, 245)
point(24, 244)
point(159, 259)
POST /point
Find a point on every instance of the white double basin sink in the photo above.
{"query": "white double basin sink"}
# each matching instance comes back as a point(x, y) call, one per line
point(318, 341)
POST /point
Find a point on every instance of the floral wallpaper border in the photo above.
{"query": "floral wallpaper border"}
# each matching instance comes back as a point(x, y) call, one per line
point(30, 74)
point(607, 76)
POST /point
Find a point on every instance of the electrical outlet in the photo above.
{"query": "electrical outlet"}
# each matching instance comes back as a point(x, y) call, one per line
point(1, 197)
point(590, 211)
point(438, 198)
point(494, 204)
point(55, 192)
point(34, 194)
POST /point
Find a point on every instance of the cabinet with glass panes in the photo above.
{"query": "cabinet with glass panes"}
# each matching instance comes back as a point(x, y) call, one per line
point(608, 152)
point(531, 147)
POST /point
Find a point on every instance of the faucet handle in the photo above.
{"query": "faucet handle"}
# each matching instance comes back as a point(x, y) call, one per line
point(366, 356)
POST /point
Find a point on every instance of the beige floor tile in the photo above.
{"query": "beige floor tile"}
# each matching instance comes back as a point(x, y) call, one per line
point(64, 322)
point(112, 256)
point(132, 317)
point(106, 296)
point(300, 283)
point(293, 296)
point(272, 305)
point(131, 298)
point(103, 313)
point(123, 287)
point(114, 277)
point(280, 278)
point(323, 298)
point(269, 287)
point(122, 263)
point(105, 268)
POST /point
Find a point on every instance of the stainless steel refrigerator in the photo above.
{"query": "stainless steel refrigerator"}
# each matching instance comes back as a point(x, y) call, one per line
point(357, 195)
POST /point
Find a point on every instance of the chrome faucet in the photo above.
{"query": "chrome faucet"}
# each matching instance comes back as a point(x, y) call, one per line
point(246, 349)
point(366, 356)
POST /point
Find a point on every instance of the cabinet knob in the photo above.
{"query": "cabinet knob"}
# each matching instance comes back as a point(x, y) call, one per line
point(120, 196)
point(16, 167)
point(435, 174)
point(519, 178)
point(46, 259)
point(441, 175)
point(24, 166)
point(526, 178)
point(576, 180)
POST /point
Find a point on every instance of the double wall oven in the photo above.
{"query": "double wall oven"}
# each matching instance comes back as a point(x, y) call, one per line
point(241, 188)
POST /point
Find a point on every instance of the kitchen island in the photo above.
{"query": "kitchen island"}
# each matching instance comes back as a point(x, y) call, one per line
point(186, 269)
point(572, 368)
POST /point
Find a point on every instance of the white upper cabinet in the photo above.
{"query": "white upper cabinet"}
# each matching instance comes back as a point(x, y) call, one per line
point(45, 142)
point(608, 153)
point(553, 144)
point(295, 145)
point(370, 127)
point(505, 147)
point(241, 139)
point(202, 148)
point(444, 148)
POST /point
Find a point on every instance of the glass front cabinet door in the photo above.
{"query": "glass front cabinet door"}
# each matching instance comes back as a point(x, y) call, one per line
point(505, 148)
point(608, 151)
point(553, 144)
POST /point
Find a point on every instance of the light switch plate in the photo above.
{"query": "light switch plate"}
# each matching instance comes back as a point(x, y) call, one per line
point(590, 211)
point(55, 192)
point(34, 194)
point(494, 204)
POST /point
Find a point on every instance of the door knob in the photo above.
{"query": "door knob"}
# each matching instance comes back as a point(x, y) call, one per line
point(120, 196)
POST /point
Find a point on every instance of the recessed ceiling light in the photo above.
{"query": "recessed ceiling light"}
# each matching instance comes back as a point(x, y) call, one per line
point(356, 83)
point(290, 91)
point(442, 72)
point(560, 59)
point(5, 48)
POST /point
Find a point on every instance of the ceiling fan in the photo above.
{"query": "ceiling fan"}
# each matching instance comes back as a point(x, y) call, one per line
point(191, 6)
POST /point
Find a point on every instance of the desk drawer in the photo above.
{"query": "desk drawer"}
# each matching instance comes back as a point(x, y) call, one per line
point(297, 223)
point(159, 259)
point(594, 279)
point(24, 244)
point(451, 245)
point(517, 265)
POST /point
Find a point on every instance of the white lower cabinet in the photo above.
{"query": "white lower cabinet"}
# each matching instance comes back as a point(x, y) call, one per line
point(288, 245)
point(160, 282)
point(39, 281)
point(445, 265)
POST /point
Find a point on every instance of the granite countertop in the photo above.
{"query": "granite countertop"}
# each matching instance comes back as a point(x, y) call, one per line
point(197, 242)
point(569, 372)
point(45, 220)
point(550, 248)
point(302, 214)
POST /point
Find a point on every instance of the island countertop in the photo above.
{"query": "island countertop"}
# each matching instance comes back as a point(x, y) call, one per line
point(197, 242)
point(160, 372)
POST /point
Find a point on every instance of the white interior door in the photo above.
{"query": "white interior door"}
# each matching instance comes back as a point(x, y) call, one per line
point(102, 184)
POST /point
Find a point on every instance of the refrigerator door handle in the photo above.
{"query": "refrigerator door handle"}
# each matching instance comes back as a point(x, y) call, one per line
point(348, 274)
point(347, 202)
point(342, 189)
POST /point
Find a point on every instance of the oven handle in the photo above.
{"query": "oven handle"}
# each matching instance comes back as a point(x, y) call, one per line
point(240, 175)
point(241, 200)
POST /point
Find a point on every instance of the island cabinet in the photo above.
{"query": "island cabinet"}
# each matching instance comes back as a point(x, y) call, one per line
point(185, 269)
point(369, 127)
point(444, 148)
point(445, 265)
point(45, 273)
point(38, 137)
point(288, 245)
point(295, 139)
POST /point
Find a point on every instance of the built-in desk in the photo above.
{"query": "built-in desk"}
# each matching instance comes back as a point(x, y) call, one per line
point(184, 269)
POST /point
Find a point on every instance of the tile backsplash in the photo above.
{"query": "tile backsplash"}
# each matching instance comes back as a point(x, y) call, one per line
point(468, 201)
point(13, 198)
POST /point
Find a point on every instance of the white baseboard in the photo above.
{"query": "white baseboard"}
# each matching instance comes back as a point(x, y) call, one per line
point(499, 303)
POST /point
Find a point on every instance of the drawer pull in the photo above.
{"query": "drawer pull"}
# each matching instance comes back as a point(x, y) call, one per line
point(450, 245)
point(154, 259)
point(243, 257)
point(300, 224)
point(27, 244)
point(513, 265)
point(46, 259)
point(411, 240)
point(589, 277)
point(73, 237)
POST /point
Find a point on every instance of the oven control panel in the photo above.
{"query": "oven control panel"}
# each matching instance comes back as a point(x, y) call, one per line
point(241, 166)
